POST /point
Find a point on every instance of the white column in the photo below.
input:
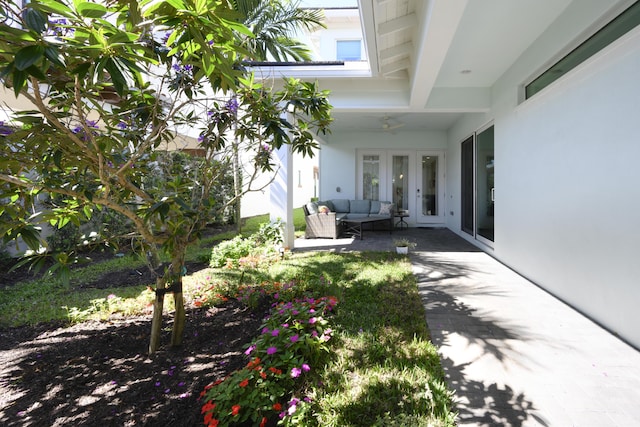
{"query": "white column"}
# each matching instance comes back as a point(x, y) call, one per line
point(281, 193)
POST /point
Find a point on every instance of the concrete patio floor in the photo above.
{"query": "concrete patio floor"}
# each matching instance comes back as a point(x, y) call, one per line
point(514, 354)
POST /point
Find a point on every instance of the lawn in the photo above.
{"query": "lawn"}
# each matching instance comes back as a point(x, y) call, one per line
point(377, 369)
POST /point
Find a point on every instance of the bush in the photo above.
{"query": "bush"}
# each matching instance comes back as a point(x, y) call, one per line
point(250, 251)
point(230, 250)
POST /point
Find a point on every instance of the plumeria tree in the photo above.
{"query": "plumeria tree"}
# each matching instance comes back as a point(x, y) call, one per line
point(110, 85)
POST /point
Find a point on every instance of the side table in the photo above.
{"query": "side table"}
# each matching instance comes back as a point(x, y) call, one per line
point(402, 224)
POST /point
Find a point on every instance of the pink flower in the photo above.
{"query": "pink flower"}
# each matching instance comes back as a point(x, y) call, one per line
point(305, 367)
point(313, 320)
point(295, 372)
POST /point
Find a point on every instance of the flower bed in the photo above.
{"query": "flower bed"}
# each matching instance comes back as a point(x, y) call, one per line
point(292, 342)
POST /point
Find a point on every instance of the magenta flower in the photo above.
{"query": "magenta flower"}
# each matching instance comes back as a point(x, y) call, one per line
point(250, 350)
point(275, 332)
point(313, 320)
point(294, 338)
point(272, 350)
point(306, 367)
point(295, 372)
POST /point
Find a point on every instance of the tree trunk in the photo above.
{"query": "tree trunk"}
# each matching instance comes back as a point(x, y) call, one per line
point(156, 322)
point(237, 186)
point(179, 317)
point(177, 271)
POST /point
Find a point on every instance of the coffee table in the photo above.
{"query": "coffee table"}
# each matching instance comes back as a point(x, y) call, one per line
point(353, 226)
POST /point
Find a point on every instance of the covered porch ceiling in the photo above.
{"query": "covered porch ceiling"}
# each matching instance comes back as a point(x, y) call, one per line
point(432, 61)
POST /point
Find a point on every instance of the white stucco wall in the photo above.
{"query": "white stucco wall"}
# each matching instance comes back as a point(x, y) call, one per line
point(338, 159)
point(303, 188)
point(567, 181)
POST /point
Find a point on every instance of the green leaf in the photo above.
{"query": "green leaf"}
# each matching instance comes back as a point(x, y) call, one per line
point(35, 20)
point(27, 56)
point(91, 10)
point(87, 211)
point(19, 81)
point(54, 56)
point(117, 78)
point(57, 157)
point(82, 69)
point(31, 237)
point(53, 6)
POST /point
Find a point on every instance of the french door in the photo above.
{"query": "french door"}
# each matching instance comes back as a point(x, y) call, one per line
point(412, 180)
point(430, 190)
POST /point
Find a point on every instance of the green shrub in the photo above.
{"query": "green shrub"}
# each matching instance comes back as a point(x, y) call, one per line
point(248, 251)
point(230, 251)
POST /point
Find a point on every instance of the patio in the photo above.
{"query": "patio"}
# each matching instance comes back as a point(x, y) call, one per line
point(514, 354)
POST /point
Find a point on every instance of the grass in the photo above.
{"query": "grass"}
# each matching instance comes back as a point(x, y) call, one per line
point(383, 370)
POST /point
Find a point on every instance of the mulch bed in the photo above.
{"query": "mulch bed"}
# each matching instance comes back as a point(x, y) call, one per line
point(99, 373)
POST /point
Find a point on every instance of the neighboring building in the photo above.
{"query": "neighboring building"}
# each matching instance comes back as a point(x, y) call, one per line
point(512, 123)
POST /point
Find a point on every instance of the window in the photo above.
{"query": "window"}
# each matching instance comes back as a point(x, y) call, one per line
point(611, 32)
point(348, 50)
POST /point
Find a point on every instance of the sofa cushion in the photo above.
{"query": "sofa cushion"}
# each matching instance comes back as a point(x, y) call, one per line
point(375, 207)
point(340, 205)
point(359, 206)
point(357, 215)
point(312, 208)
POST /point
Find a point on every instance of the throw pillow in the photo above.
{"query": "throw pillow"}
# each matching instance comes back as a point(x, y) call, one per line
point(385, 209)
point(323, 209)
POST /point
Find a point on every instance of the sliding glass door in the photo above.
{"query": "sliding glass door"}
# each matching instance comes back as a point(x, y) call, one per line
point(478, 186)
point(485, 190)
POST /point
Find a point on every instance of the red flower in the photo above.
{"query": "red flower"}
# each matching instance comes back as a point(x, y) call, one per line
point(235, 409)
point(209, 406)
point(263, 422)
point(277, 407)
point(209, 420)
point(244, 383)
point(263, 375)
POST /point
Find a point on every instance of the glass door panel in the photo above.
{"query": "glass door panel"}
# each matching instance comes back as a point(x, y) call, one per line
point(485, 190)
point(467, 190)
point(430, 187)
point(400, 181)
point(371, 177)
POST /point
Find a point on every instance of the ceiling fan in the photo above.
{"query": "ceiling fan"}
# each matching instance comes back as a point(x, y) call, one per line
point(390, 124)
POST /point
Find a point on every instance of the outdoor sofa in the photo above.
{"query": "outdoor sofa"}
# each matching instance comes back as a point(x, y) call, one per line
point(326, 219)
